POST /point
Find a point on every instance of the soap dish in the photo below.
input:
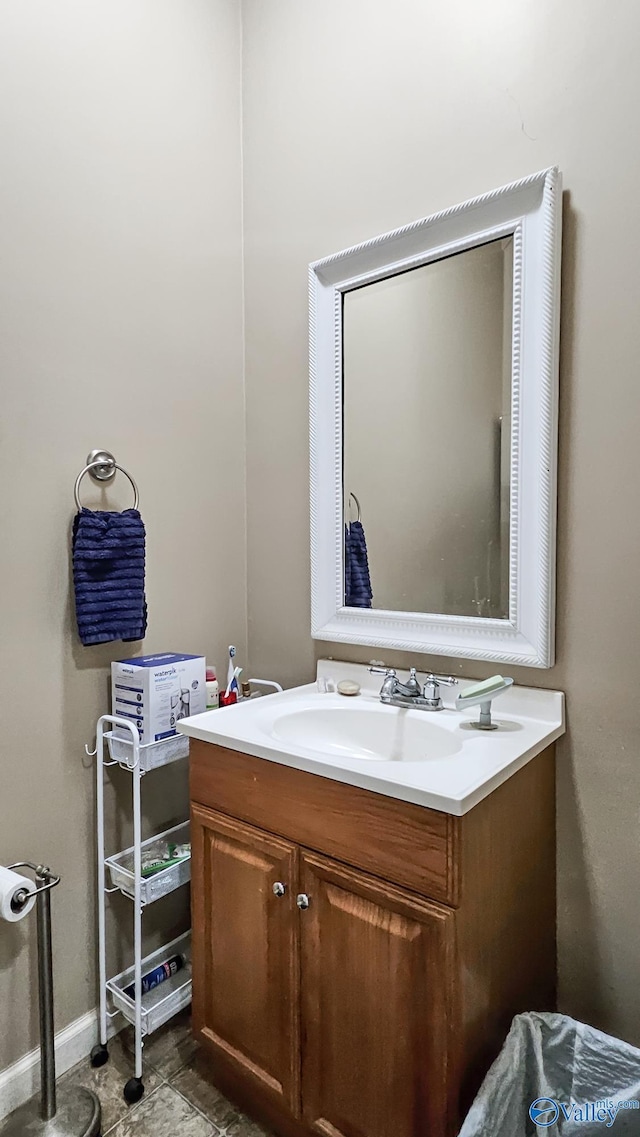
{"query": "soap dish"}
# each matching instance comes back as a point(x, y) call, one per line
point(348, 687)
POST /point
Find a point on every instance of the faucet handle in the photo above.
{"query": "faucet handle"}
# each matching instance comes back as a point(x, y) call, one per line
point(390, 682)
point(432, 689)
point(441, 680)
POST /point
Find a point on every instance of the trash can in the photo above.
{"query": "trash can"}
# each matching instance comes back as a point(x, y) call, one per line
point(556, 1077)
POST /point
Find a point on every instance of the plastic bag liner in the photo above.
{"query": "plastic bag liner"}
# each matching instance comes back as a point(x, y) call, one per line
point(590, 1083)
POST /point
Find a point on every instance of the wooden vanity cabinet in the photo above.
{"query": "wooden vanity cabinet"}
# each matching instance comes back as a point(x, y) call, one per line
point(376, 1005)
point(245, 950)
point(357, 960)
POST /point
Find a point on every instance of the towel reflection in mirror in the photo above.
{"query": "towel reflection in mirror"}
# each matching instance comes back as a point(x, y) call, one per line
point(357, 579)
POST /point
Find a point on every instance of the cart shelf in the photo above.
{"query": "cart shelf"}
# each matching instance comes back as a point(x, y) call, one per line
point(121, 868)
point(164, 1001)
point(151, 755)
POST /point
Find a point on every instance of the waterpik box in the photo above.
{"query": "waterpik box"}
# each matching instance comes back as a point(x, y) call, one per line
point(155, 691)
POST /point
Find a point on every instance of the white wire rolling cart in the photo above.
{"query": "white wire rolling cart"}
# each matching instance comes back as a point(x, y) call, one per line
point(146, 1012)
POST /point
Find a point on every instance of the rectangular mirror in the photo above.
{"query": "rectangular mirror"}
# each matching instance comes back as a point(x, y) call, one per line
point(433, 431)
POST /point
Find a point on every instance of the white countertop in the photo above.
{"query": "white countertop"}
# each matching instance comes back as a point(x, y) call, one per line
point(472, 765)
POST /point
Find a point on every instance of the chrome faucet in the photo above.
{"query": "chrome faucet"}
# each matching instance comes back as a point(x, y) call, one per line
point(411, 694)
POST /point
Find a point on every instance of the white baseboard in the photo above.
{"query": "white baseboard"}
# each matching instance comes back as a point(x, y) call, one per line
point(21, 1081)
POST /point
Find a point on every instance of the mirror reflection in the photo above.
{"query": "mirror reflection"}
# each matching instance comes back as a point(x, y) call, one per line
point(427, 436)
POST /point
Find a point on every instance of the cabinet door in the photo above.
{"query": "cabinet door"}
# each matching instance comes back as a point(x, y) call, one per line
point(245, 950)
point(377, 976)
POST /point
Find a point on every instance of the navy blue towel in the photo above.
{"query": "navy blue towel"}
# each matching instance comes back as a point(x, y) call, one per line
point(357, 582)
point(108, 576)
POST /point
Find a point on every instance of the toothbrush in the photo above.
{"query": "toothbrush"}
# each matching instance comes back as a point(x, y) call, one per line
point(230, 672)
point(233, 682)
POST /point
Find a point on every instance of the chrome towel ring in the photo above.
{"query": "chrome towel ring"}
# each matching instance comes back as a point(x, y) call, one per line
point(102, 466)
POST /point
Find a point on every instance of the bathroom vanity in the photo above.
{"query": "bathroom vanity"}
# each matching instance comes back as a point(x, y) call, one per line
point(358, 952)
point(373, 885)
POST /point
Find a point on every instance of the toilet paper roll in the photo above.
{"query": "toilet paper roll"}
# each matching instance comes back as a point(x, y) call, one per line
point(11, 886)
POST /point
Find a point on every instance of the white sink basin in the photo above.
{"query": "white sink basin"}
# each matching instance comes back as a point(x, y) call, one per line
point(373, 732)
point(432, 759)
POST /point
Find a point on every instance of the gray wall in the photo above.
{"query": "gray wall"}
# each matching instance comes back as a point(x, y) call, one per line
point(361, 117)
point(120, 326)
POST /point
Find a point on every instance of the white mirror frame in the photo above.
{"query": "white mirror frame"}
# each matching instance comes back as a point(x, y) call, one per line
point(530, 209)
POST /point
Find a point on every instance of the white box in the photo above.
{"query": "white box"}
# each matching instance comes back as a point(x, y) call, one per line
point(155, 691)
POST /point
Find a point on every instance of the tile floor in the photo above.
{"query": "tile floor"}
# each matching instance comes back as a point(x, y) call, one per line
point(178, 1097)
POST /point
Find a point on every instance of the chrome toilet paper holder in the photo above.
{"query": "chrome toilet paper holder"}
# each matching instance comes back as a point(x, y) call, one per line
point(22, 897)
point(78, 1112)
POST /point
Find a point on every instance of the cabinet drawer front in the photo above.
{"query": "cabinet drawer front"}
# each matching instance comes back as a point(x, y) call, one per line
point(245, 950)
point(377, 981)
point(396, 840)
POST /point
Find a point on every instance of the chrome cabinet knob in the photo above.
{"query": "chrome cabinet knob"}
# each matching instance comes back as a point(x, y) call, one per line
point(302, 900)
point(279, 888)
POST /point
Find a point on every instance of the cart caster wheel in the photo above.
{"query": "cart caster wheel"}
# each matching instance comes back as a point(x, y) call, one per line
point(99, 1055)
point(133, 1090)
